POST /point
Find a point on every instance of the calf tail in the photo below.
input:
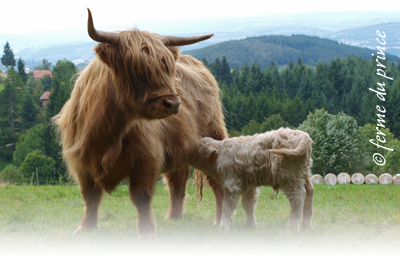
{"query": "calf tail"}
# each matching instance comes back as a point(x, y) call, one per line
point(198, 178)
point(301, 149)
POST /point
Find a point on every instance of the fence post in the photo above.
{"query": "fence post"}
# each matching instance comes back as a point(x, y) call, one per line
point(33, 173)
point(37, 176)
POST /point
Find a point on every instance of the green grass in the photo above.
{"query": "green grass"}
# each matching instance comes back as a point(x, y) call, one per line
point(1, 87)
point(345, 215)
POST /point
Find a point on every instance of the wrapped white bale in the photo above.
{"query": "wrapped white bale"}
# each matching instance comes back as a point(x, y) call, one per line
point(371, 179)
point(357, 178)
point(343, 178)
point(396, 179)
point(317, 179)
point(330, 179)
point(385, 179)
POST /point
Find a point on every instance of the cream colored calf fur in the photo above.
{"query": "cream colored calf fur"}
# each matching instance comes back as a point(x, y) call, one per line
point(280, 159)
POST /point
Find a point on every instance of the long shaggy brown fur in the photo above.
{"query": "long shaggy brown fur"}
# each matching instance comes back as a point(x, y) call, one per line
point(115, 126)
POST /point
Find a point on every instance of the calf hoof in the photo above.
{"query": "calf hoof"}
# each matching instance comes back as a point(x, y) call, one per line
point(147, 237)
point(82, 229)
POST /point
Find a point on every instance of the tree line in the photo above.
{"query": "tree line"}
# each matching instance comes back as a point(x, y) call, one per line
point(258, 100)
point(281, 49)
point(27, 139)
point(330, 101)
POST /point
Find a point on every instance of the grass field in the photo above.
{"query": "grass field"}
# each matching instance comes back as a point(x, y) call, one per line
point(1, 87)
point(345, 217)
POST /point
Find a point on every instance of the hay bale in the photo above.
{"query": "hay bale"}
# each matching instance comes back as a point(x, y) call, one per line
point(317, 179)
point(357, 178)
point(343, 178)
point(385, 179)
point(330, 179)
point(371, 179)
point(396, 179)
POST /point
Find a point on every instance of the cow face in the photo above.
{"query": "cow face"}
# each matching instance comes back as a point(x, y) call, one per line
point(143, 68)
point(144, 74)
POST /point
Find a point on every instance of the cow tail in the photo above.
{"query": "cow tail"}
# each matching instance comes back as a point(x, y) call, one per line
point(198, 178)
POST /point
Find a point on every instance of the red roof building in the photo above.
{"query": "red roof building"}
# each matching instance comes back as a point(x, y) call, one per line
point(45, 99)
point(40, 73)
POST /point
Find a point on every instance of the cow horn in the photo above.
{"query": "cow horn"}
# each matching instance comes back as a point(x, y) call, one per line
point(182, 41)
point(100, 36)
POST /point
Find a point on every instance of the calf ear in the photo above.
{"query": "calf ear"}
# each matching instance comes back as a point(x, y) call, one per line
point(213, 157)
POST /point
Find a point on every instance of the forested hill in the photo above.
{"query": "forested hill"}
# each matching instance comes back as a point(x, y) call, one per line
point(281, 49)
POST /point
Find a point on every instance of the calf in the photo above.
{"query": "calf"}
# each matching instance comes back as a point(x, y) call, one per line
point(280, 159)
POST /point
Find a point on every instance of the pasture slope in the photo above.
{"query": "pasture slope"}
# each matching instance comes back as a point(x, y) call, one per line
point(348, 219)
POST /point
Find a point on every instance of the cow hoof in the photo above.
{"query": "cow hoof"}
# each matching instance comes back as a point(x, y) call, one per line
point(147, 237)
point(82, 229)
point(306, 226)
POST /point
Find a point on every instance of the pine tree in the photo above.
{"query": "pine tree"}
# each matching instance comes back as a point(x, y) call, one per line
point(225, 71)
point(61, 90)
point(21, 70)
point(205, 62)
point(8, 126)
point(29, 112)
point(8, 57)
point(393, 109)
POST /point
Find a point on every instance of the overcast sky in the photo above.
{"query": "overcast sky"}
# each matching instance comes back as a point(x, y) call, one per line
point(28, 17)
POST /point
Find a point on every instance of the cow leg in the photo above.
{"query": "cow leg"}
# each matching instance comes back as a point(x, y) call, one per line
point(176, 182)
point(141, 189)
point(249, 202)
point(308, 206)
point(296, 196)
point(229, 205)
point(92, 195)
point(218, 191)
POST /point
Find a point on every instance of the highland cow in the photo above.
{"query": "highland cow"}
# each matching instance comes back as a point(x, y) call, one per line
point(136, 111)
point(280, 159)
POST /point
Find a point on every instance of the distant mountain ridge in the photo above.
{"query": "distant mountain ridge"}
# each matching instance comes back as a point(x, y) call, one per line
point(350, 27)
point(281, 49)
point(366, 36)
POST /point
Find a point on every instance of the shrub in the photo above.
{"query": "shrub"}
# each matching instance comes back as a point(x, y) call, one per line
point(33, 139)
point(11, 174)
point(45, 165)
point(337, 142)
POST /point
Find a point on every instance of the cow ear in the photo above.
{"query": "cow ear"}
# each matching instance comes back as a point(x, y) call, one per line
point(104, 52)
point(175, 52)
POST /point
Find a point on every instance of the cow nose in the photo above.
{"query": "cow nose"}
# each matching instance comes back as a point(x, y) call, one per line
point(172, 106)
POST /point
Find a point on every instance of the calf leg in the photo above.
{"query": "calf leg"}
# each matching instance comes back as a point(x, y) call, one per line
point(141, 189)
point(92, 195)
point(308, 206)
point(229, 205)
point(249, 202)
point(218, 191)
point(176, 182)
point(296, 196)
